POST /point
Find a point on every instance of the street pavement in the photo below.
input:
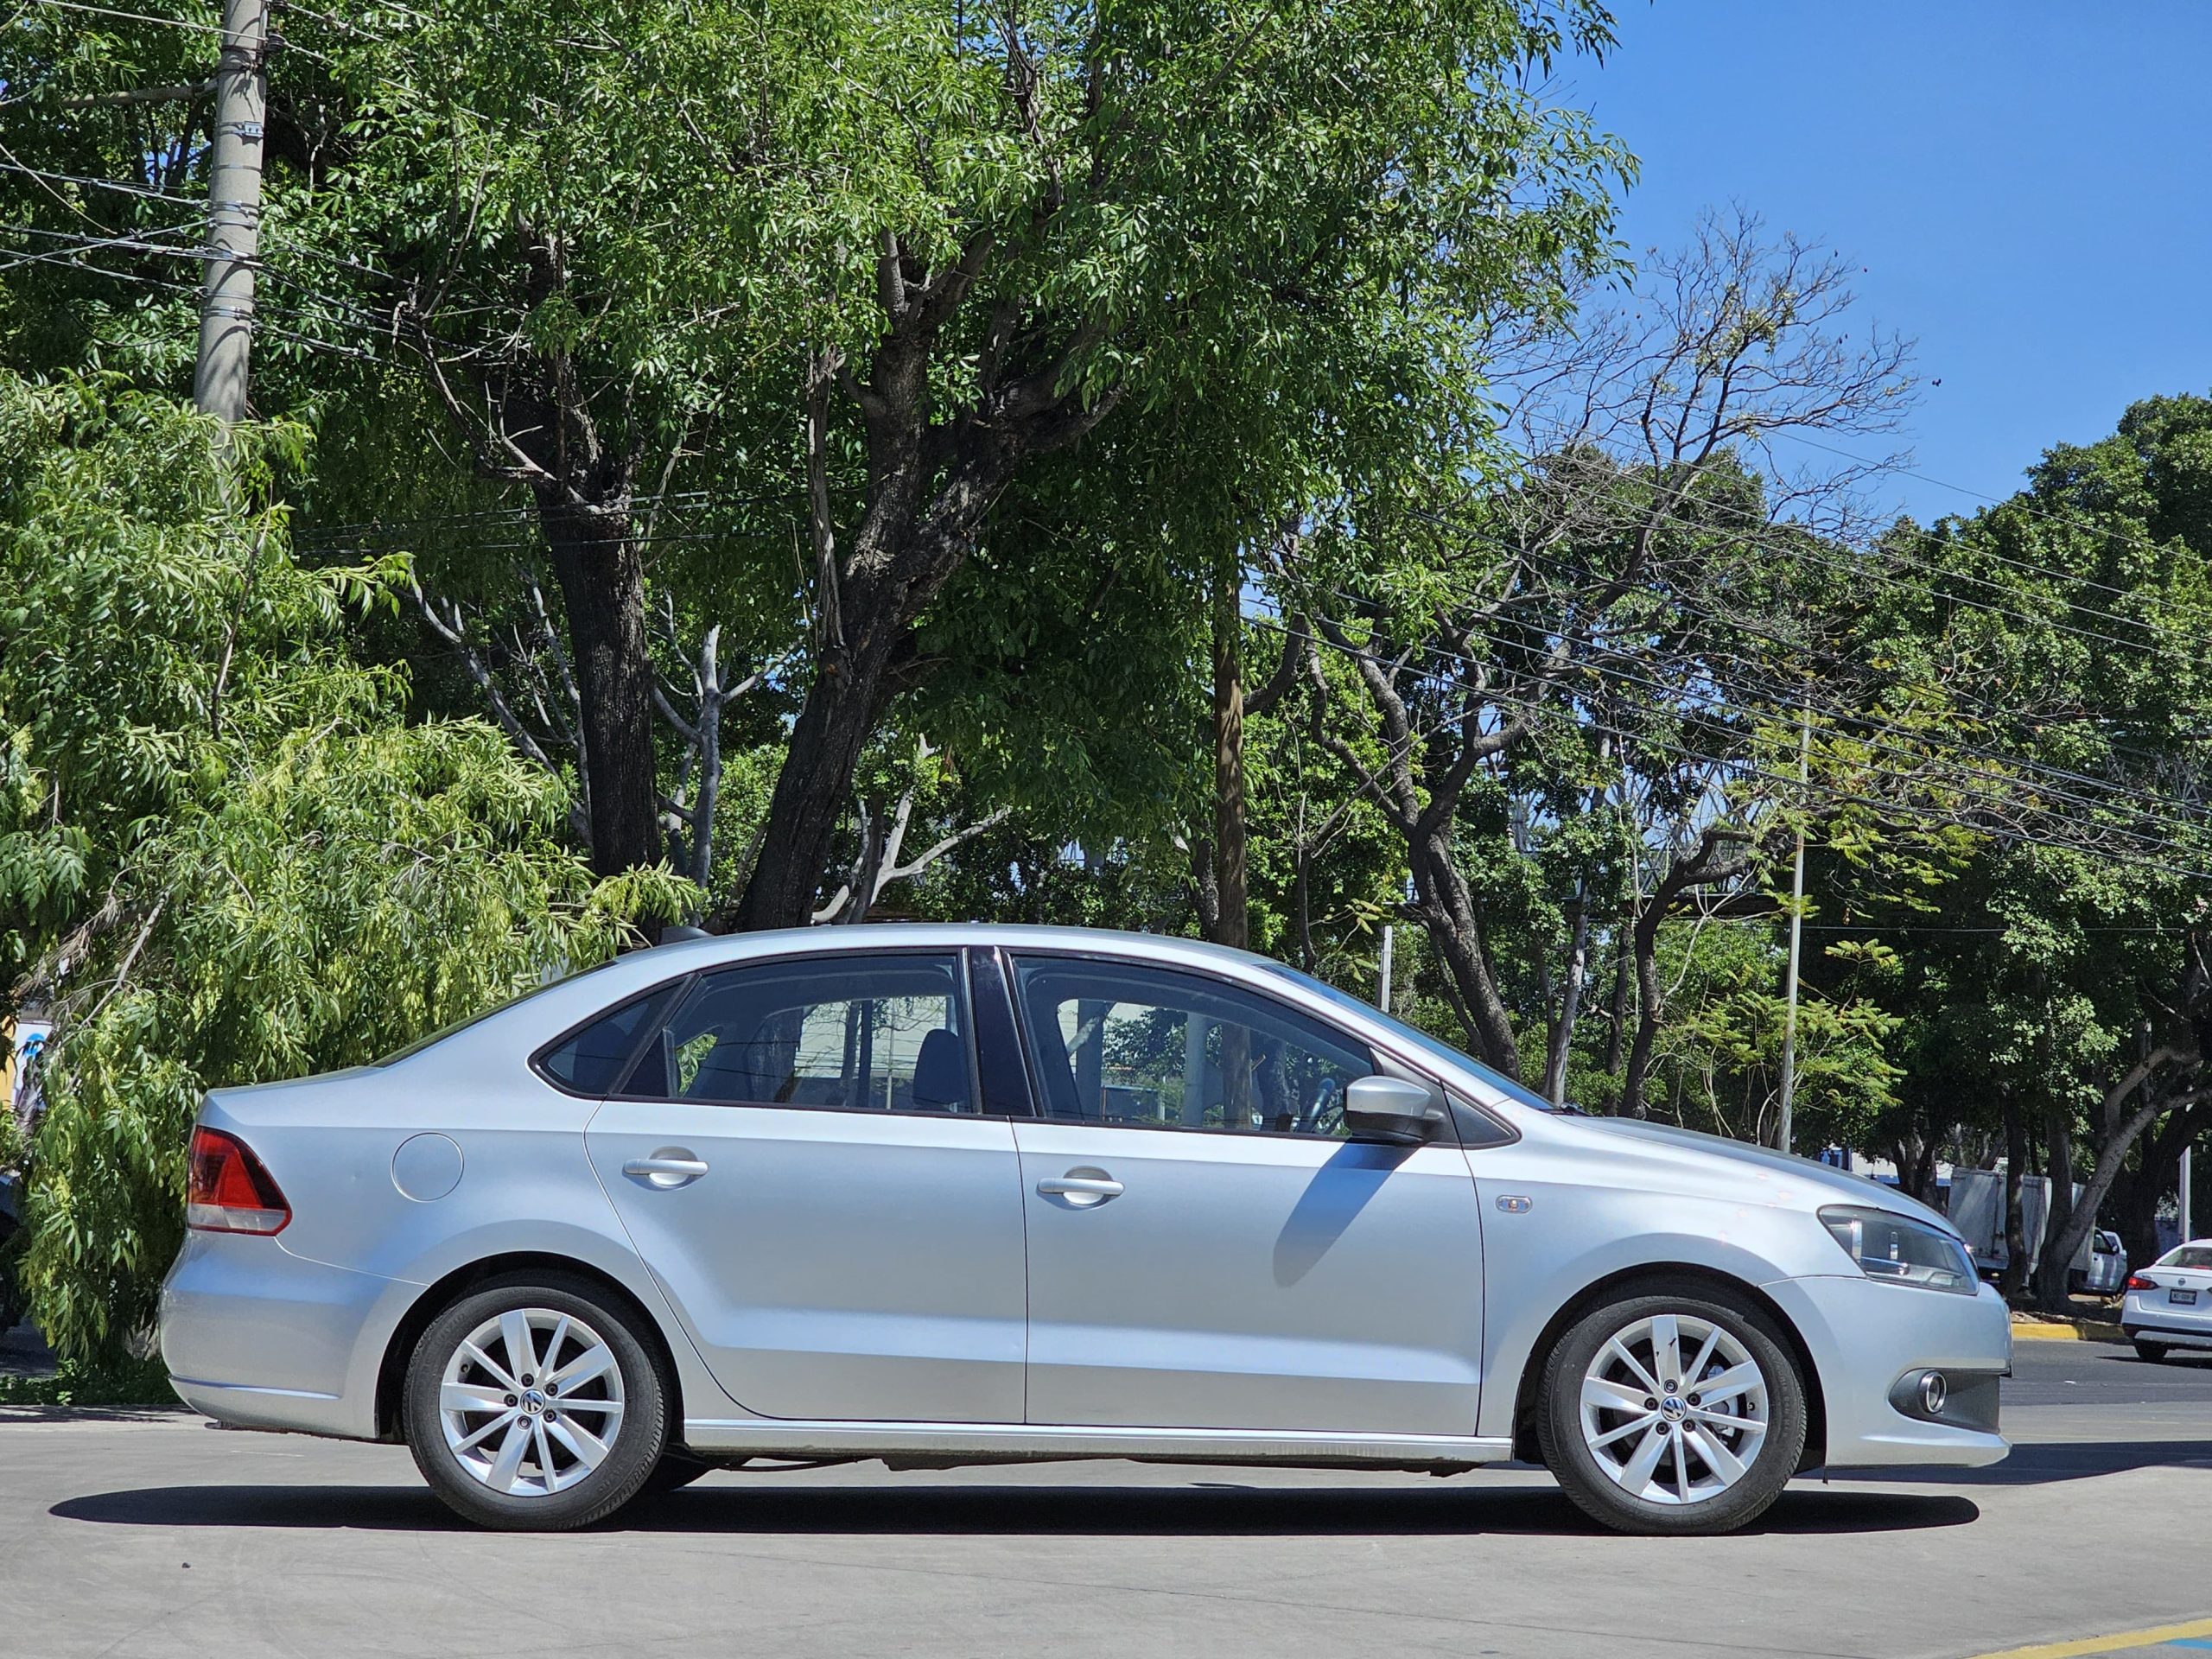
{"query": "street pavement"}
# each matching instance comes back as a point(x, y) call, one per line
point(148, 1534)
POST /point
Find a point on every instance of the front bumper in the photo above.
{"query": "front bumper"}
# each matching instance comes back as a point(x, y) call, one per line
point(1867, 1338)
point(257, 1338)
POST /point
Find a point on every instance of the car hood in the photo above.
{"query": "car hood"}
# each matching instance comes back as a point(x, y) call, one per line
point(1828, 1180)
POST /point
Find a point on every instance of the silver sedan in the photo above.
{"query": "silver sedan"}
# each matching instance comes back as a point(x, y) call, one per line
point(941, 1195)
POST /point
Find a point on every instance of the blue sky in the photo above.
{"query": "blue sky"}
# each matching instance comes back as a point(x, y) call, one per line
point(2025, 184)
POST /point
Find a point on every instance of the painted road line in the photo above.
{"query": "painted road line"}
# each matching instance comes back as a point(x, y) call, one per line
point(2175, 1637)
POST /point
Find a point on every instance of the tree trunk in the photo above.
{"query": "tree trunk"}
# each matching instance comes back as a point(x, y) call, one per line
point(2111, 1154)
point(1233, 921)
point(2051, 1268)
point(1446, 907)
point(815, 783)
point(1633, 1103)
point(1570, 1007)
point(1617, 1010)
point(2015, 1276)
point(603, 589)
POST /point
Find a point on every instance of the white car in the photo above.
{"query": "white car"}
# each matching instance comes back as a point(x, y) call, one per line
point(2168, 1303)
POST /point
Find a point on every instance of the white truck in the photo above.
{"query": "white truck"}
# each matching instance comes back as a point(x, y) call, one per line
point(1977, 1211)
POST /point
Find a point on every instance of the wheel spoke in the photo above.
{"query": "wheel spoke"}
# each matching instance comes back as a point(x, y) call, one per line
point(595, 1360)
point(544, 1454)
point(485, 1433)
point(1681, 1468)
point(1618, 1349)
point(508, 1464)
point(1705, 1352)
point(1635, 1474)
point(1604, 1395)
point(472, 1396)
point(1720, 1421)
point(1730, 1383)
point(514, 1332)
point(551, 1351)
point(609, 1410)
point(1727, 1468)
point(1645, 1420)
point(1666, 1350)
point(587, 1446)
point(478, 1357)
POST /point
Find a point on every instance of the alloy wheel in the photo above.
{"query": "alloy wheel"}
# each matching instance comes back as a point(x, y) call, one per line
point(1674, 1409)
point(530, 1402)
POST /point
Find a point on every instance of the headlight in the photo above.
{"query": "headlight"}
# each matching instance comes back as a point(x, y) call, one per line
point(1899, 1251)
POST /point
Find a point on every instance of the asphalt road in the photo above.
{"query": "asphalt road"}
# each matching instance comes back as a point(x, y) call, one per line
point(139, 1537)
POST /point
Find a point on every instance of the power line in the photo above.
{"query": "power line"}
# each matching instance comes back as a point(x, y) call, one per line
point(1744, 767)
point(133, 16)
point(2017, 498)
point(143, 192)
point(1786, 698)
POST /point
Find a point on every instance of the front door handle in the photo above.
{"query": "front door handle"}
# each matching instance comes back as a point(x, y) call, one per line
point(669, 1168)
point(1082, 1188)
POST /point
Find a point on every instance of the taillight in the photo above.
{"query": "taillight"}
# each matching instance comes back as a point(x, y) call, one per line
point(2137, 1281)
point(227, 1191)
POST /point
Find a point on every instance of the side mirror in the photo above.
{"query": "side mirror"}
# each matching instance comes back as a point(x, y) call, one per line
point(1391, 1109)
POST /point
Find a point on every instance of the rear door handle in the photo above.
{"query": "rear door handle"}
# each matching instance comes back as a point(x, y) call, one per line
point(1080, 1190)
point(671, 1166)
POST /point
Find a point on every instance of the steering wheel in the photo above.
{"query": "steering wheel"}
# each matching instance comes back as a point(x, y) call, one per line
point(1326, 1115)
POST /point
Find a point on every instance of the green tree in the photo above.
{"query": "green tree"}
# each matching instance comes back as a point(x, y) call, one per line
point(225, 855)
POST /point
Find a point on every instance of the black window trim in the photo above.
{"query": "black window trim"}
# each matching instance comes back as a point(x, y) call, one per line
point(1387, 1058)
point(679, 982)
point(1022, 1059)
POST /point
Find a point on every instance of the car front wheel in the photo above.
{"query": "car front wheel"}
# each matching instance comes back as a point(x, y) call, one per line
point(1666, 1413)
point(534, 1405)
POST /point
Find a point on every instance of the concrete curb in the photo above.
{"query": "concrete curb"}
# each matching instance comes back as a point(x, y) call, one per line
point(2054, 1331)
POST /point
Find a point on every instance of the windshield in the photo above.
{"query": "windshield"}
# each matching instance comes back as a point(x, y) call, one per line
point(2188, 1255)
point(467, 1020)
point(1420, 1039)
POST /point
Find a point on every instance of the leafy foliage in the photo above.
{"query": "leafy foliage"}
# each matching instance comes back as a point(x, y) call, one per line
point(230, 858)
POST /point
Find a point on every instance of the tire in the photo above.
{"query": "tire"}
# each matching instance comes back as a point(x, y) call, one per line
point(1714, 1466)
point(489, 1461)
point(2153, 1352)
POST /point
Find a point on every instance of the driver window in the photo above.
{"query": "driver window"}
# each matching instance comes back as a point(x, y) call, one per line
point(1157, 1049)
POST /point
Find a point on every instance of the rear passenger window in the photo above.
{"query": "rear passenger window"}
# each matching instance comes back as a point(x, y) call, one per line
point(592, 1061)
point(874, 1031)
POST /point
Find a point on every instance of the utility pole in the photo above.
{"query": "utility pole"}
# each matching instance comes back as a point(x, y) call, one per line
point(233, 211)
point(2186, 1221)
point(1796, 932)
point(1383, 979)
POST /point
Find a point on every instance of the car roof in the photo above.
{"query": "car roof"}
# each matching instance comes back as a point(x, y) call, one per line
point(738, 947)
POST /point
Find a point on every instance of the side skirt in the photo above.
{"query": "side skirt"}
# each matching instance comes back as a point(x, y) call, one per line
point(947, 1445)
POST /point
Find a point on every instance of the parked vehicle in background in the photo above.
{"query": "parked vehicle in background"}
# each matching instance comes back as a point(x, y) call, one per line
point(943, 1195)
point(2169, 1304)
point(2106, 1274)
point(1977, 1209)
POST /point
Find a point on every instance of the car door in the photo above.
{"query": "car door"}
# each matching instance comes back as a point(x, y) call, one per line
point(1207, 1249)
point(798, 1157)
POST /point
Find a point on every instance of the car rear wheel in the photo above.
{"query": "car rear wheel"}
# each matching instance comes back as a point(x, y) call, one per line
point(1666, 1413)
point(533, 1404)
point(2153, 1352)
